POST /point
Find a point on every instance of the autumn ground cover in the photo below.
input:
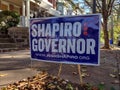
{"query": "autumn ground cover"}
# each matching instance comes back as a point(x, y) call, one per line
point(43, 81)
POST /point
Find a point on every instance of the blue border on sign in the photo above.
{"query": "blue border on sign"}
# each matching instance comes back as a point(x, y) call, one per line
point(65, 61)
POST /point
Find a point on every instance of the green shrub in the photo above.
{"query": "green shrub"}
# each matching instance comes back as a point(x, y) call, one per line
point(8, 19)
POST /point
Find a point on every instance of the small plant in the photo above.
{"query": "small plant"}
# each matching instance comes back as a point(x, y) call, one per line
point(69, 87)
point(101, 87)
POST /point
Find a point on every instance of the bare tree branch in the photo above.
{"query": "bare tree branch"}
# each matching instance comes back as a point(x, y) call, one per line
point(74, 5)
point(99, 10)
point(88, 3)
point(115, 9)
point(110, 7)
point(98, 5)
point(103, 8)
point(109, 4)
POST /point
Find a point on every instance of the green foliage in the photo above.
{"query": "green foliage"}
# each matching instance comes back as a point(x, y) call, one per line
point(98, 87)
point(8, 19)
point(69, 87)
point(101, 36)
point(116, 30)
point(89, 86)
point(101, 87)
point(116, 33)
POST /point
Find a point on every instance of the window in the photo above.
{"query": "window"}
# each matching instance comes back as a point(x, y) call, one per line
point(4, 6)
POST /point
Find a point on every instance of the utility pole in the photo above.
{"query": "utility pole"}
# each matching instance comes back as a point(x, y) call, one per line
point(94, 6)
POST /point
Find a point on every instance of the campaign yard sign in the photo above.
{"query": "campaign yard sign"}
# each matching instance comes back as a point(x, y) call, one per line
point(69, 39)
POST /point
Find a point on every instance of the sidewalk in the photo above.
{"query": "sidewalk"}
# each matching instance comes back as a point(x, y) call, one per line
point(15, 66)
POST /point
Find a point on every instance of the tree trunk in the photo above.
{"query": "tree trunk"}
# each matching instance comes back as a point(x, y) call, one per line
point(106, 34)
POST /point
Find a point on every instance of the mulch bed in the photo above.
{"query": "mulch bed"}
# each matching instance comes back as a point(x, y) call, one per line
point(43, 81)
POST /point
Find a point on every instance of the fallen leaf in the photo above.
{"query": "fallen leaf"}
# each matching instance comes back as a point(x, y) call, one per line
point(115, 82)
point(75, 73)
point(84, 70)
point(112, 75)
point(85, 75)
point(2, 75)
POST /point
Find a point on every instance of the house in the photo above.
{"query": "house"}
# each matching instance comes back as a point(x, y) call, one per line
point(30, 8)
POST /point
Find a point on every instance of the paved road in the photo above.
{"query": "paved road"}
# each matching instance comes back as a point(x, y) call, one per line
point(15, 66)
